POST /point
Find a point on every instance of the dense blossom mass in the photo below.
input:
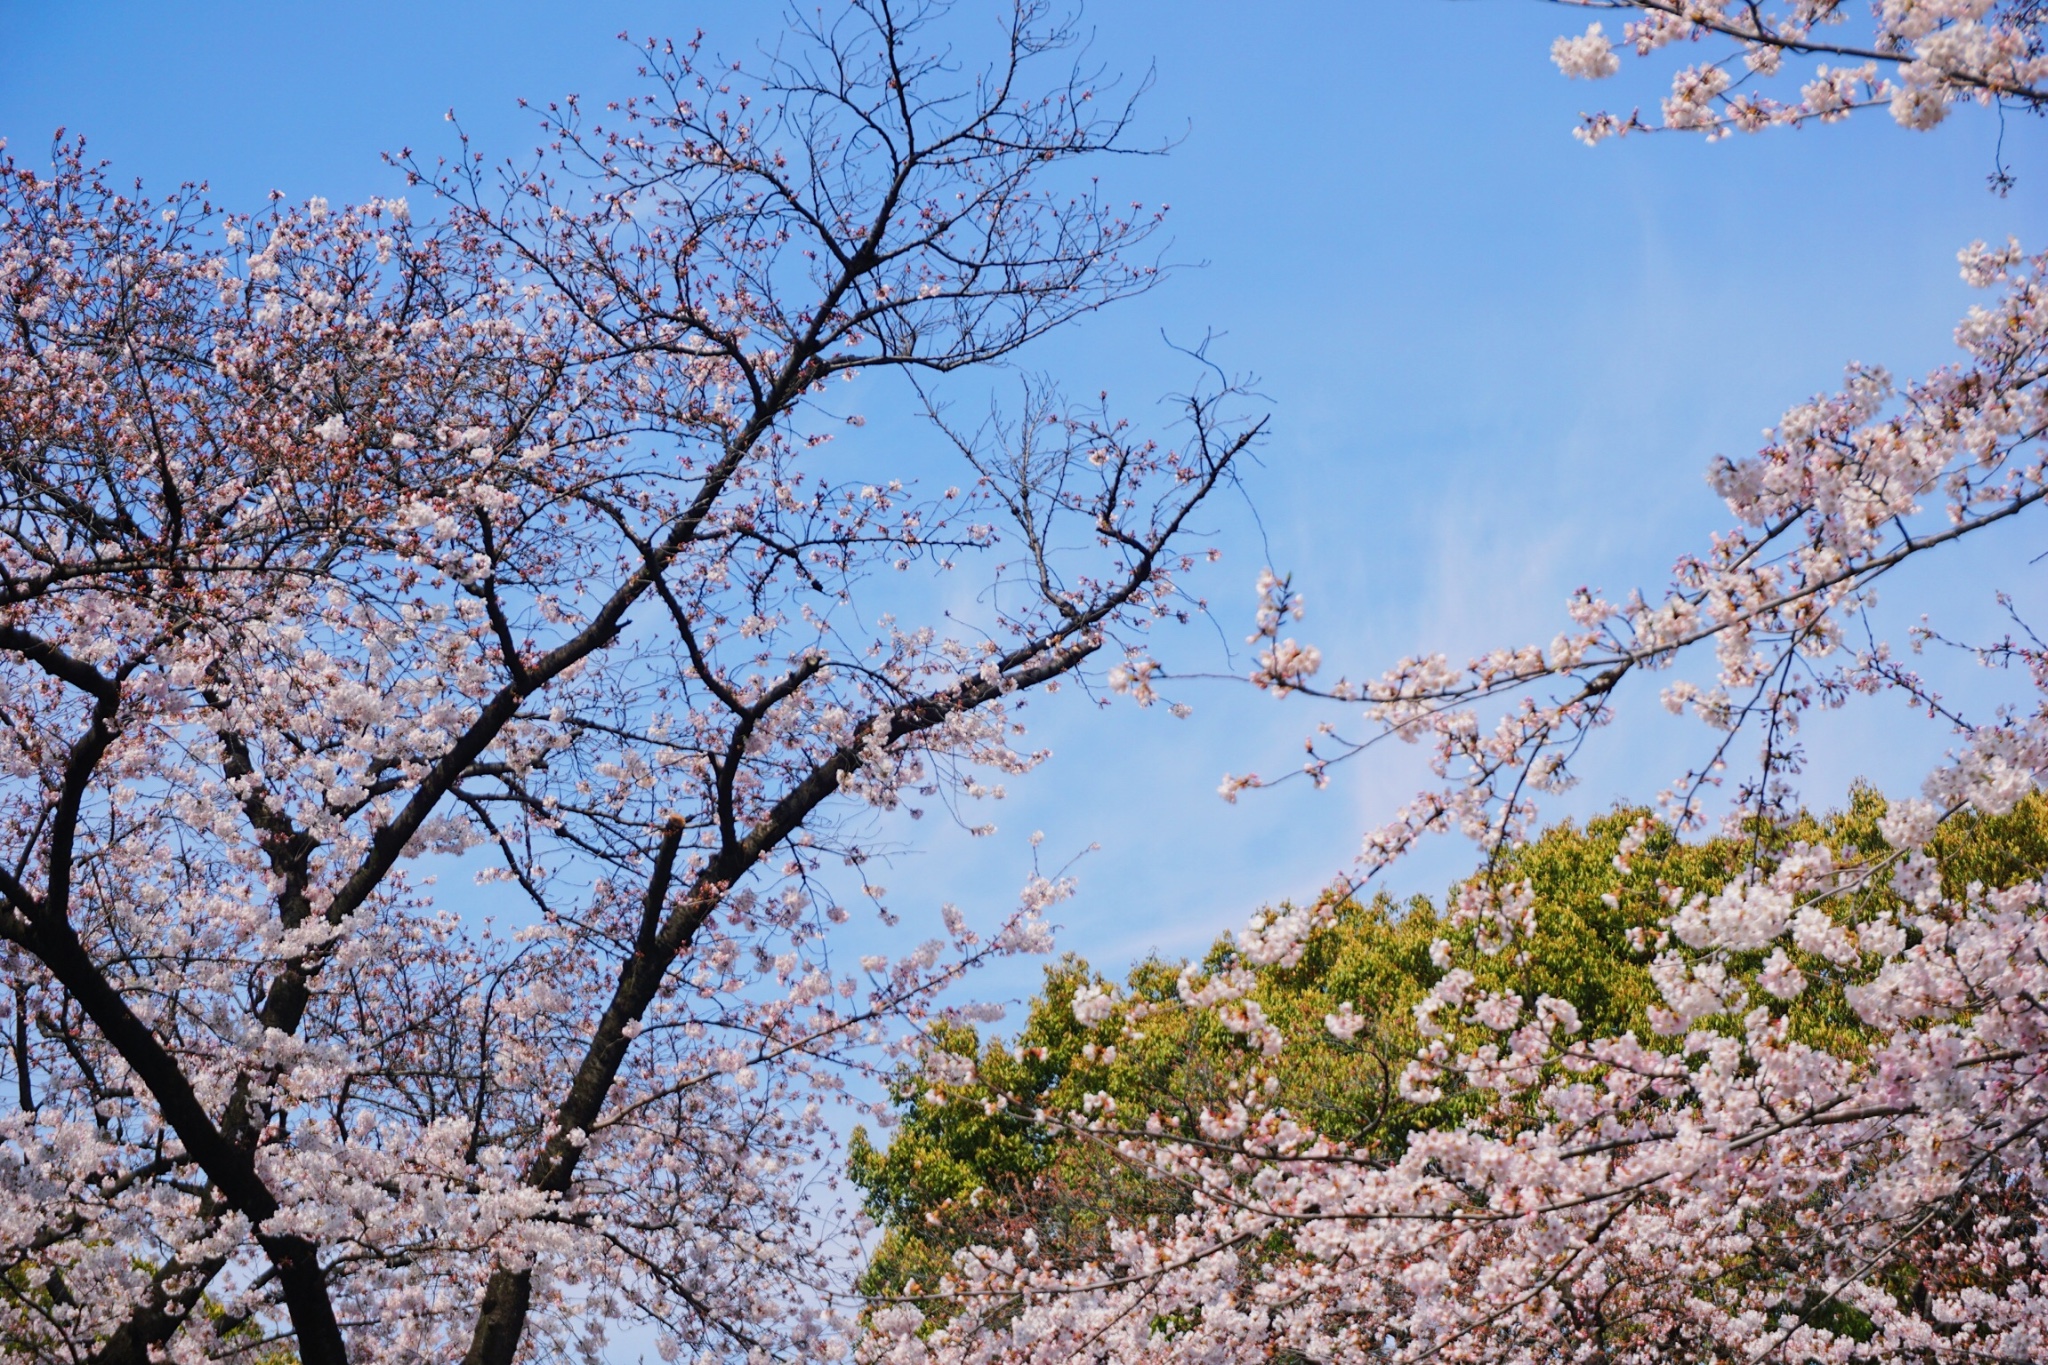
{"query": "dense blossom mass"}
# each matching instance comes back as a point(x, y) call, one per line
point(332, 540)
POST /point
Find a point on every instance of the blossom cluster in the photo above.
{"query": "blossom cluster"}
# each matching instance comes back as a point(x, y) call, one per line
point(1827, 1146)
point(1917, 58)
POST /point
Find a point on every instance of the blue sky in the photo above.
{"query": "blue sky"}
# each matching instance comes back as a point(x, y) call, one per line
point(1498, 362)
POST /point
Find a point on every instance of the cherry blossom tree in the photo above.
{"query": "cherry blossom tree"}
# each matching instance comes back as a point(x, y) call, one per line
point(334, 544)
point(1826, 1140)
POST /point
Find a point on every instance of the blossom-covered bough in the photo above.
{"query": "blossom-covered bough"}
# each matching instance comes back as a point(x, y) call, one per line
point(329, 541)
point(1915, 57)
point(1828, 1138)
point(1852, 487)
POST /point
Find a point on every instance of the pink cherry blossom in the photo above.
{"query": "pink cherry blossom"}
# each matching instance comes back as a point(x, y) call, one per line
point(339, 543)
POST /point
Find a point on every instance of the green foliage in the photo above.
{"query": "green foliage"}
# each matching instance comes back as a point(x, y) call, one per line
point(961, 1170)
point(964, 1168)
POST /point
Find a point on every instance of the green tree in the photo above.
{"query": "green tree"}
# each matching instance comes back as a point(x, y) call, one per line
point(972, 1163)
